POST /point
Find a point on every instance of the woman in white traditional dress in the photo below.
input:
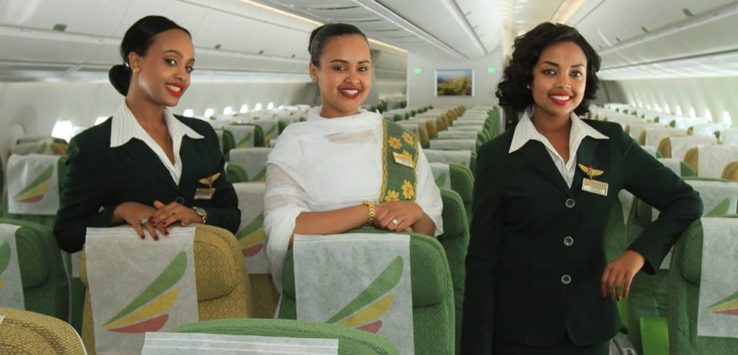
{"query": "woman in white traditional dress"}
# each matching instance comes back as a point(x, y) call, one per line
point(345, 167)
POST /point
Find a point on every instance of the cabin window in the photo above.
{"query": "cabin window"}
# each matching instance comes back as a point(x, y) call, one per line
point(270, 106)
point(657, 108)
point(726, 118)
point(64, 130)
point(244, 108)
point(228, 110)
point(257, 107)
point(708, 114)
point(692, 112)
point(209, 112)
point(678, 111)
point(100, 119)
point(188, 112)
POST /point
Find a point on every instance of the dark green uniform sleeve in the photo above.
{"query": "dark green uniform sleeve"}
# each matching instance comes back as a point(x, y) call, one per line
point(82, 196)
point(657, 185)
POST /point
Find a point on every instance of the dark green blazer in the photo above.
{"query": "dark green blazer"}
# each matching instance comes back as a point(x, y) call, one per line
point(537, 252)
point(99, 177)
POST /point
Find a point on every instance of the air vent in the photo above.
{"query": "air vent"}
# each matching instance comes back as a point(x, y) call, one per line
point(217, 46)
point(363, 20)
point(331, 8)
point(687, 13)
point(618, 39)
point(61, 27)
point(261, 51)
point(645, 30)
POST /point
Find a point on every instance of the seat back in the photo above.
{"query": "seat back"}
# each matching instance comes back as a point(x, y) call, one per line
point(45, 286)
point(252, 242)
point(455, 241)
point(235, 173)
point(223, 289)
point(350, 341)
point(677, 147)
point(34, 191)
point(253, 160)
point(432, 295)
point(454, 144)
point(683, 292)
point(243, 135)
point(653, 136)
point(462, 181)
point(711, 160)
point(462, 157)
point(45, 146)
point(226, 140)
point(26, 332)
point(731, 171)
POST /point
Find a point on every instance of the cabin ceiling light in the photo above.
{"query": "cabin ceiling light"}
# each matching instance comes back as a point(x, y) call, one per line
point(566, 9)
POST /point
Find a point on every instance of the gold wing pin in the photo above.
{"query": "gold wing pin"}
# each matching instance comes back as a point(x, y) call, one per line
point(209, 180)
point(590, 171)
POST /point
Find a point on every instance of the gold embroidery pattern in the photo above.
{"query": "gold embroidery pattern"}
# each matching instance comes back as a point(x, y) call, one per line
point(394, 142)
point(408, 191)
point(392, 195)
point(408, 138)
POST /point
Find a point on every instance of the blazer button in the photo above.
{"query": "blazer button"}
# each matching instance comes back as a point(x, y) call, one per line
point(568, 241)
point(566, 279)
point(570, 203)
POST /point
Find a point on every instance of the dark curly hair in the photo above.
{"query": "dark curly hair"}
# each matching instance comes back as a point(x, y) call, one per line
point(513, 91)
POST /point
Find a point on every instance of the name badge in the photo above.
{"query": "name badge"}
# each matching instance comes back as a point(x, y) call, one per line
point(594, 186)
point(204, 193)
point(403, 160)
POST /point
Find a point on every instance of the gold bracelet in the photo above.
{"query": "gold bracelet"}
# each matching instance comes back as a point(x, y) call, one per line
point(372, 210)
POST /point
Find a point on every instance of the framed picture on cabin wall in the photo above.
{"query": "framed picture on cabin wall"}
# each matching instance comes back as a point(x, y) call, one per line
point(454, 82)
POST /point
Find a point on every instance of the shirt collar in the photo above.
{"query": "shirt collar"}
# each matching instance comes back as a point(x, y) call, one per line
point(525, 131)
point(125, 127)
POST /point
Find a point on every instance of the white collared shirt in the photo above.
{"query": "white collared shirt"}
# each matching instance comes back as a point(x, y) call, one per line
point(125, 127)
point(525, 131)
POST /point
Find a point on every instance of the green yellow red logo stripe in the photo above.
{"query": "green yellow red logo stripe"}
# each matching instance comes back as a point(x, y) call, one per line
point(727, 305)
point(366, 310)
point(148, 311)
point(251, 238)
point(35, 191)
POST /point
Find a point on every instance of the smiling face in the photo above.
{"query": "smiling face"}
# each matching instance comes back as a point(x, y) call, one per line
point(559, 80)
point(163, 73)
point(344, 76)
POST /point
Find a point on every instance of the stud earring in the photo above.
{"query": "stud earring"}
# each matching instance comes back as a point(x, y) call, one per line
point(527, 86)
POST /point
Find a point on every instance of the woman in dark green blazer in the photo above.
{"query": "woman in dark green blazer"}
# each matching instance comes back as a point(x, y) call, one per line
point(145, 166)
point(538, 281)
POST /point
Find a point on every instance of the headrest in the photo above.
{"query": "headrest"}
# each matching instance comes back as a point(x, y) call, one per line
point(33, 258)
point(457, 226)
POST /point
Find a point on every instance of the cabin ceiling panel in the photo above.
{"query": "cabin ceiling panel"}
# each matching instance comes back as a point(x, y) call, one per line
point(20, 48)
point(185, 16)
point(455, 27)
point(46, 15)
point(659, 30)
point(219, 30)
point(697, 41)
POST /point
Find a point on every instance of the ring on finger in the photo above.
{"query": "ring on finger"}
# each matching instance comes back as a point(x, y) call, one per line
point(395, 221)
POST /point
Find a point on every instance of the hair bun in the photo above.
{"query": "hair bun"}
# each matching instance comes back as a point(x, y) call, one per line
point(120, 76)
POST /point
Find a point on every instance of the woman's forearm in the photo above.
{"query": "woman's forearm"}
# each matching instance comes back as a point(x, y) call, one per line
point(331, 222)
point(425, 226)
